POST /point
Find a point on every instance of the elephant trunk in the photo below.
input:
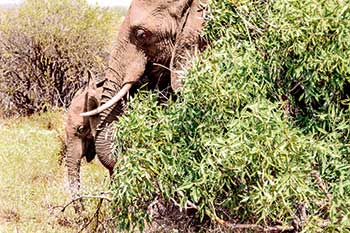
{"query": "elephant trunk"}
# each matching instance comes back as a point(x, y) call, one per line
point(73, 161)
point(104, 142)
point(127, 64)
point(104, 133)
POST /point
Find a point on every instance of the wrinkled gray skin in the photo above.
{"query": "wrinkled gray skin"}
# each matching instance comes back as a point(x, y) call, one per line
point(188, 43)
point(154, 35)
point(80, 134)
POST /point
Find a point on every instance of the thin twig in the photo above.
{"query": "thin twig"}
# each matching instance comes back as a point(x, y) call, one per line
point(189, 205)
point(163, 66)
point(177, 204)
point(97, 214)
point(322, 185)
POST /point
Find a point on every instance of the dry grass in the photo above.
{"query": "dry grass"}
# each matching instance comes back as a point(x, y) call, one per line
point(33, 183)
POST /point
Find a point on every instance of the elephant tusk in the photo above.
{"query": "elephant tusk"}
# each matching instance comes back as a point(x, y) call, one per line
point(110, 102)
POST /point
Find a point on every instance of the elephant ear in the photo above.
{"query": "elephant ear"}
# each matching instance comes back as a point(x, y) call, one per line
point(93, 103)
point(178, 8)
point(93, 100)
point(91, 81)
point(188, 42)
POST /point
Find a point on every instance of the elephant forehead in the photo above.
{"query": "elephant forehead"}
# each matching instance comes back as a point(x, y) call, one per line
point(77, 106)
point(143, 13)
point(75, 119)
point(150, 11)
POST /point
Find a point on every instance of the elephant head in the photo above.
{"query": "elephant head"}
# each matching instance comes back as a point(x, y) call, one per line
point(80, 133)
point(145, 46)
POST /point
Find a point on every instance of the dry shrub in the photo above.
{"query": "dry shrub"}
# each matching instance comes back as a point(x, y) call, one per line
point(46, 49)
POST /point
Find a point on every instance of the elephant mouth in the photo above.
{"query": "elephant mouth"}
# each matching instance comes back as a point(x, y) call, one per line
point(89, 149)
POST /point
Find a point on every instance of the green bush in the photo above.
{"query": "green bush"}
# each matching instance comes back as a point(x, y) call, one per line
point(46, 49)
point(260, 133)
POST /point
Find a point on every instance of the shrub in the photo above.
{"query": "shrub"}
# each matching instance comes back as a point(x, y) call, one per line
point(260, 133)
point(46, 49)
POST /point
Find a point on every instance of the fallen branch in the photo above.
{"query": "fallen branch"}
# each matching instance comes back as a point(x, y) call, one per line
point(256, 227)
point(85, 197)
point(94, 216)
point(260, 228)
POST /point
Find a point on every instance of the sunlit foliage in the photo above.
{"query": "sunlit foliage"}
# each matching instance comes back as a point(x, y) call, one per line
point(260, 133)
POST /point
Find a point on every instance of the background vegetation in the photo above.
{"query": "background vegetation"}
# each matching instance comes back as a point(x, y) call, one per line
point(260, 133)
point(46, 49)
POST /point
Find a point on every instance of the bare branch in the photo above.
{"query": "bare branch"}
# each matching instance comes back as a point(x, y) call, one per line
point(93, 217)
point(261, 228)
point(256, 227)
point(85, 197)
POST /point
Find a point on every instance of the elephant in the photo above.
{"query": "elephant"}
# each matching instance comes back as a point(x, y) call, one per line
point(80, 134)
point(151, 42)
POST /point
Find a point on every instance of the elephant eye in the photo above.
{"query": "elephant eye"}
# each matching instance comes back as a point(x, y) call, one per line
point(141, 34)
point(80, 129)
